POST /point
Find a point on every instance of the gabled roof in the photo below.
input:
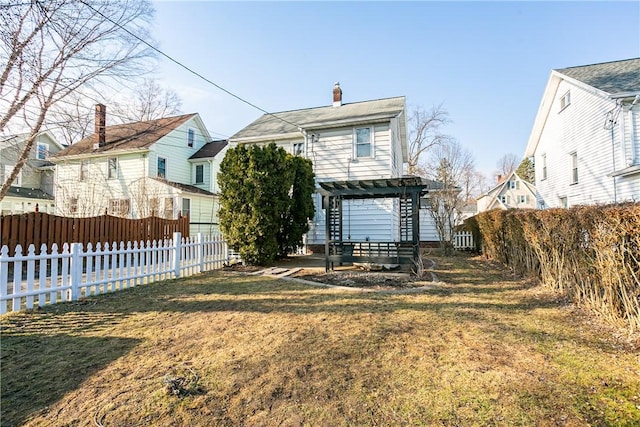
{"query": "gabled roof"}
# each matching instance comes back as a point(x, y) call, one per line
point(22, 137)
point(135, 135)
point(614, 79)
point(610, 77)
point(29, 193)
point(285, 123)
point(497, 190)
point(210, 149)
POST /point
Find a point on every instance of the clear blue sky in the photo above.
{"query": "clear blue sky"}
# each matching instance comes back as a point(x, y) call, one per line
point(486, 62)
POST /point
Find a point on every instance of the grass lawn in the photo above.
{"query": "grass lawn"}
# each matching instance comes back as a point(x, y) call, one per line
point(481, 348)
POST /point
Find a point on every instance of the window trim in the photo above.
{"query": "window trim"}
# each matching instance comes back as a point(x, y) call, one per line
point(370, 143)
point(188, 211)
point(46, 150)
point(191, 137)
point(115, 170)
point(574, 173)
point(84, 170)
point(164, 159)
point(565, 100)
point(195, 173)
point(298, 152)
point(544, 166)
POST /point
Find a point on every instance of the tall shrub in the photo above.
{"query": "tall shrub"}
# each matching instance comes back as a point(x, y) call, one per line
point(262, 201)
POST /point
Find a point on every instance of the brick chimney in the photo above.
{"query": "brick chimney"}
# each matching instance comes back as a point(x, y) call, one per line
point(337, 95)
point(100, 125)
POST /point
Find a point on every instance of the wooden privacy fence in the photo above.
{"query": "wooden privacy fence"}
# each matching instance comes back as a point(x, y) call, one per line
point(36, 228)
point(48, 276)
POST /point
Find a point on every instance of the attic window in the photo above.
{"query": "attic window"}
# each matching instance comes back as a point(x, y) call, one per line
point(565, 101)
point(191, 136)
point(162, 167)
point(43, 150)
point(362, 139)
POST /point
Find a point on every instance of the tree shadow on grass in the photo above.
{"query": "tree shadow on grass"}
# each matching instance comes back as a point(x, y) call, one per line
point(32, 363)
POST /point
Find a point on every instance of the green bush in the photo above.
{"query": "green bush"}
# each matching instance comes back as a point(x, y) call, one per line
point(265, 201)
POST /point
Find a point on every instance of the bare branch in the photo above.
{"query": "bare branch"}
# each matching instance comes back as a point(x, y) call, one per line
point(424, 134)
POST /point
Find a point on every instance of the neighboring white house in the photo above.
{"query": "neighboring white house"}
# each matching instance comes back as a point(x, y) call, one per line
point(138, 169)
point(586, 136)
point(346, 141)
point(34, 183)
point(511, 192)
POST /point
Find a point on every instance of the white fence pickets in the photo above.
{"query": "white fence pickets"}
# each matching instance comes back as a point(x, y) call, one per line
point(78, 272)
point(463, 240)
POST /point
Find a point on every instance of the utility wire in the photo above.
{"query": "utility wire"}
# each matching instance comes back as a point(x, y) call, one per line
point(185, 67)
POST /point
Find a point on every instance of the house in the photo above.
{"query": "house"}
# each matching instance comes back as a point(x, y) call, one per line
point(34, 184)
point(511, 192)
point(345, 141)
point(159, 167)
point(585, 140)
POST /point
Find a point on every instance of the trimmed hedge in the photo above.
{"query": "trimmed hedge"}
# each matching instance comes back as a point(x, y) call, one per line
point(590, 253)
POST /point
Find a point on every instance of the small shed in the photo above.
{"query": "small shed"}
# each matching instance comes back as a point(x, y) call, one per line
point(405, 251)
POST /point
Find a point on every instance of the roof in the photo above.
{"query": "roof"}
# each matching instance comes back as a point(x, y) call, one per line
point(185, 187)
point(289, 122)
point(614, 79)
point(210, 149)
point(610, 77)
point(128, 136)
point(29, 193)
point(497, 190)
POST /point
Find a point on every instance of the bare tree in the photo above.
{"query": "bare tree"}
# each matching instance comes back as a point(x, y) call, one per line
point(450, 164)
point(51, 49)
point(150, 101)
point(425, 132)
point(507, 164)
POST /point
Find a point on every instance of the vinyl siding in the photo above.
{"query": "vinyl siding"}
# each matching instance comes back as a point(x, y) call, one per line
point(203, 217)
point(579, 128)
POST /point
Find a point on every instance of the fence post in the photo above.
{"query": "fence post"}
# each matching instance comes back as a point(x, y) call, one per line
point(177, 243)
point(76, 270)
point(200, 252)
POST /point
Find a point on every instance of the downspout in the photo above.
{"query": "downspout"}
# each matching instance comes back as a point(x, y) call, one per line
point(632, 133)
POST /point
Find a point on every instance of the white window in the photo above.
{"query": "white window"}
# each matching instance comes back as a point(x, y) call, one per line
point(162, 167)
point(186, 207)
point(544, 166)
point(42, 151)
point(565, 100)
point(363, 143)
point(112, 165)
point(523, 198)
point(119, 207)
point(512, 185)
point(574, 167)
point(84, 170)
point(504, 199)
point(563, 202)
point(199, 174)
point(154, 206)
point(297, 149)
point(191, 136)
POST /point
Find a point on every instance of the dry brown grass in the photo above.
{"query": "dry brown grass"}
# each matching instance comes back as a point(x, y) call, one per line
point(483, 348)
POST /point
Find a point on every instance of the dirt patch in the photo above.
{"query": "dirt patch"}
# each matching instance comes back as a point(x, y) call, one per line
point(364, 279)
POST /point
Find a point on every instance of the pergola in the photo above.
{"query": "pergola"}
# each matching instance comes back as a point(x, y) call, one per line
point(405, 251)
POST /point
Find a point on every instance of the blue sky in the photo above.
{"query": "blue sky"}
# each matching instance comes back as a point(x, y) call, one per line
point(486, 62)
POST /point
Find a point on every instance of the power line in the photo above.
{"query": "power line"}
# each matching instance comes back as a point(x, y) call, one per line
point(185, 67)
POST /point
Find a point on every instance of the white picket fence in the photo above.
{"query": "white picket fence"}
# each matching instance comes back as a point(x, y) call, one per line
point(463, 240)
point(53, 276)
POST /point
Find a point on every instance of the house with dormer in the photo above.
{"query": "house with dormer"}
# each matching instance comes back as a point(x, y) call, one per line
point(512, 192)
point(33, 188)
point(585, 140)
point(159, 167)
point(345, 141)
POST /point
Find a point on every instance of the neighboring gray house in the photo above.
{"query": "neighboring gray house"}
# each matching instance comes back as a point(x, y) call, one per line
point(585, 140)
point(345, 141)
point(34, 184)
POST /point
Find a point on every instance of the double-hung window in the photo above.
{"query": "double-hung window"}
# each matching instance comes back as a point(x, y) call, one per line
point(162, 167)
point(42, 151)
point(544, 166)
point(363, 142)
point(574, 167)
point(565, 100)
point(112, 165)
point(84, 170)
point(186, 207)
point(199, 174)
point(191, 136)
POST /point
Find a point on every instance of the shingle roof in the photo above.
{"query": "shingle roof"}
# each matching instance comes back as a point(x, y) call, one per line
point(128, 136)
point(310, 118)
point(611, 77)
point(210, 149)
point(30, 193)
point(185, 187)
